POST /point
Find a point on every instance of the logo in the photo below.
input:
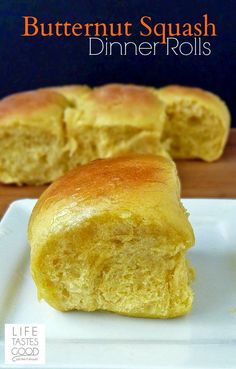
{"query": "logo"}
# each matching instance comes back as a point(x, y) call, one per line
point(24, 344)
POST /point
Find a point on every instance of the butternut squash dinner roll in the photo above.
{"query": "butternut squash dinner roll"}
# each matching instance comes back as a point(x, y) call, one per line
point(197, 123)
point(32, 137)
point(112, 235)
point(44, 133)
point(113, 120)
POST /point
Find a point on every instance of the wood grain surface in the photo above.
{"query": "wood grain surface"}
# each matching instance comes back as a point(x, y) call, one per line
point(198, 179)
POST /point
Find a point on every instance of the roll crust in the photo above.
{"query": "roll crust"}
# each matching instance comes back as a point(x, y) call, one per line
point(29, 109)
point(118, 103)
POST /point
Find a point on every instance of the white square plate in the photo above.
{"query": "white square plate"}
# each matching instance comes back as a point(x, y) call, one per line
point(206, 338)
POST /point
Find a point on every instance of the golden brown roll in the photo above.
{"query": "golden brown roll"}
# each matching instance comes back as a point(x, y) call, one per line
point(44, 133)
point(112, 235)
point(197, 123)
point(114, 120)
point(32, 137)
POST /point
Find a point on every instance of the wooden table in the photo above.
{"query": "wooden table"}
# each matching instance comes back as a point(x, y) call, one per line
point(199, 179)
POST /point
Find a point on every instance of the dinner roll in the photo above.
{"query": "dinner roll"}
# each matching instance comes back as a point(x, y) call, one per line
point(197, 123)
point(112, 235)
point(44, 133)
point(114, 120)
point(32, 137)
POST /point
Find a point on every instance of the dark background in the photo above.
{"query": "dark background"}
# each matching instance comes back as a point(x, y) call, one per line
point(28, 63)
